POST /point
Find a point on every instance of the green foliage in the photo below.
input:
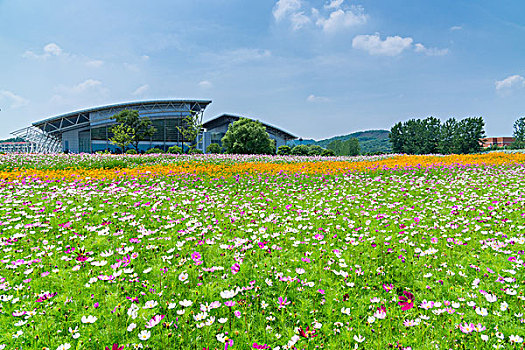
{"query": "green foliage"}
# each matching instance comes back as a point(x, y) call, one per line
point(519, 134)
point(247, 136)
point(301, 150)
point(154, 151)
point(214, 148)
point(191, 127)
point(138, 128)
point(284, 150)
point(328, 153)
point(370, 141)
point(175, 150)
point(195, 151)
point(348, 147)
point(315, 150)
point(428, 136)
point(131, 151)
point(122, 136)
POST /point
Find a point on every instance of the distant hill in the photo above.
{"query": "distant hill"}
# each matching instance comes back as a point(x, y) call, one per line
point(12, 139)
point(371, 141)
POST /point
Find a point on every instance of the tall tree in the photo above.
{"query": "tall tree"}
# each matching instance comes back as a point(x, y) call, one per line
point(190, 129)
point(122, 136)
point(519, 134)
point(247, 136)
point(448, 136)
point(471, 131)
point(397, 138)
point(140, 127)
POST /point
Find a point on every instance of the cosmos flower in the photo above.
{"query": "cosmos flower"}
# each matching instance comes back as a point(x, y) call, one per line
point(406, 301)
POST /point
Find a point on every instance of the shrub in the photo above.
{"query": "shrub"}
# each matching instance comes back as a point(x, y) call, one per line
point(175, 150)
point(154, 150)
point(301, 150)
point(195, 151)
point(328, 153)
point(284, 150)
point(131, 151)
point(315, 150)
point(214, 148)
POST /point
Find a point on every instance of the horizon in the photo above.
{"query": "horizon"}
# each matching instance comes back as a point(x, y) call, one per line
point(318, 69)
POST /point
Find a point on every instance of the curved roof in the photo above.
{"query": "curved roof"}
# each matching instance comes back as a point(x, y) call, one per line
point(230, 118)
point(81, 117)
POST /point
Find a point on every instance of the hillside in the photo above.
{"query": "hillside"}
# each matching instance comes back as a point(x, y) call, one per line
point(371, 141)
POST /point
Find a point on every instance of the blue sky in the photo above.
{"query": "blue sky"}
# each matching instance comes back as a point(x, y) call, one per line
point(316, 68)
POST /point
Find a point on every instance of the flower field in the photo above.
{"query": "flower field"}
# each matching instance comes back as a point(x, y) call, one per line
point(260, 252)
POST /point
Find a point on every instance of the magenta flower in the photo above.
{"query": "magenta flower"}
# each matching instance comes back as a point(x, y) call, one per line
point(235, 268)
point(406, 301)
point(283, 302)
point(388, 287)
point(115, 347)
point(228, 344)
point(45, 297)
point(257, 346)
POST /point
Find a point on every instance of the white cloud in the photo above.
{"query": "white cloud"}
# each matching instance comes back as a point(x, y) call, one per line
point(285, 7)
point(391, 46)
point(430, 51)
point(334, 4)
point(94, 63)
point(453, 28)
point(511, 82)
point(341, 19)
point(87, 90)
point(299, 20)
point(313, 98)
point(14, 100)
point(205, 84)
point(140, 90)
point(132, 67)
point(50, 49)
point(238, 56)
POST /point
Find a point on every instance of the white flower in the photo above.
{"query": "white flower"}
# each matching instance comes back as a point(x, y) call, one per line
point(185, 303)
point(481, 311)
point(200, 316)
point(491, 298)
point(345, 311)
point(144, 335)
point(359, 338)
point(131, 327)
point(222, 320)
point(74, 332)
point(64, 346)
point(300, 271)
point(181, 312)
point(371, 319)
point(484, 337)
point(515, 339)
point(221, 337)
point(183, 277)
point(150, 304)
point(89, 319)
point(227, 294)
point(148, 270)
point(504, 306)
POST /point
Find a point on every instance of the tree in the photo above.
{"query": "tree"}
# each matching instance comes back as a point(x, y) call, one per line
point(122, 136)
point(284, 150)
point(470, 132)
point(336, 146)
point(301, 150)
point(448, 137)
point(397, 138)
point(351, 147)
point(190, 129)
point(519, 134)
point(315, 150)
point(328, 153)
point(247, 136)
point(141, 128)
point(175, 150)
point(214, 148)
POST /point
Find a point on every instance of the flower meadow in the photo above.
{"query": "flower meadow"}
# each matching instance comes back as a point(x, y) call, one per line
point(260, 252)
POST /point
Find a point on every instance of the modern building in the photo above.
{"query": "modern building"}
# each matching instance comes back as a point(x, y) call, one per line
point(497, 141)
point(215, 129)
point(89, 130)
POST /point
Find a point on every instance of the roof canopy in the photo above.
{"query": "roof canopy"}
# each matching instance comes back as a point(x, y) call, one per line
point(230, 118)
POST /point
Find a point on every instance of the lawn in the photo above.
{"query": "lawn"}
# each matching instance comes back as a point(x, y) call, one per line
point(261, 252)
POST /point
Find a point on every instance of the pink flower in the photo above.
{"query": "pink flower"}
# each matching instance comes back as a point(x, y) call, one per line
point(406, 301)
point(283, 302)
point(257, 346)
point(154, 321)
point(388, 287)
point(235, 268)
point(237, 314)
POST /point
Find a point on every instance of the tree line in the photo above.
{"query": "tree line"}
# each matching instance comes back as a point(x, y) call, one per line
point(430, 136)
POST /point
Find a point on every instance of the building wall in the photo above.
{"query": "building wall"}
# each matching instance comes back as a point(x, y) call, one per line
point(70, 141)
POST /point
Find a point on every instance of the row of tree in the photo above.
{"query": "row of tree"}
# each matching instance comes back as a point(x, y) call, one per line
point(429, 136)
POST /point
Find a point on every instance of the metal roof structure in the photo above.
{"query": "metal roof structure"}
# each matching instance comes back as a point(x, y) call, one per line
point(45, 135)
point(230, 118)
point(80, 118)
